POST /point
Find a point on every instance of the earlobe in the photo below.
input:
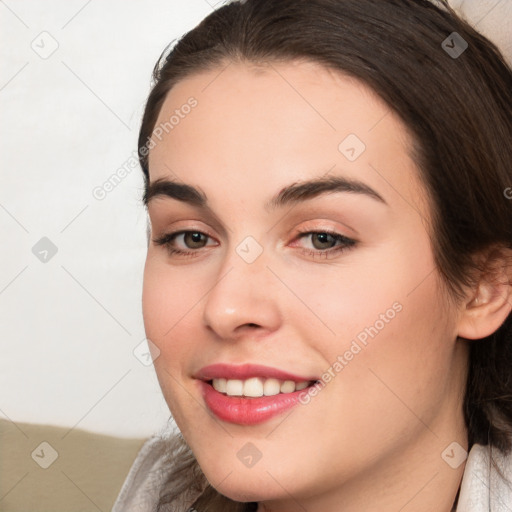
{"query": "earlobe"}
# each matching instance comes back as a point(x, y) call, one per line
point(490, 306)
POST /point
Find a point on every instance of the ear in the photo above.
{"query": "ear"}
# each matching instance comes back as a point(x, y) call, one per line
point(490, 301)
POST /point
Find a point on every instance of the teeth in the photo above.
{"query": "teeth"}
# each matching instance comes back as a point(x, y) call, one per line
point(253, 387)
point(271, 387)
point(234, 387)
point(219, 385)
point(256, 387)
point(288, 386)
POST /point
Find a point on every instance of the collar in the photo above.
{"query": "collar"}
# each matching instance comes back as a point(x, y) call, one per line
point(482, 488)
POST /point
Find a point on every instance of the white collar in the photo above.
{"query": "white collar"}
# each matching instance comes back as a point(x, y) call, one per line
point(482, 488)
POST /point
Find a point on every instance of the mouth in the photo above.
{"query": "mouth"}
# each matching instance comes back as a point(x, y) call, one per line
point(250, 394)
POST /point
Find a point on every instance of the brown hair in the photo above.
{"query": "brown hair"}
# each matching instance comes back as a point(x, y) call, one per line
point(458, 109)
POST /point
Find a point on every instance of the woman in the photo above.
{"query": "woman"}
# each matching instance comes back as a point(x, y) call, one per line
point(328, 284)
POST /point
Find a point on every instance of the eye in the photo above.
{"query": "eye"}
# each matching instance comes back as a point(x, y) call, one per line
point(192, 239)
point(324, 243)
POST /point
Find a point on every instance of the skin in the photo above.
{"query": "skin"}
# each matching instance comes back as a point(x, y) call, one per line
point(375, 434)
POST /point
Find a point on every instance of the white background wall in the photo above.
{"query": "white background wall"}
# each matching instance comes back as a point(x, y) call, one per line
point(69, 326)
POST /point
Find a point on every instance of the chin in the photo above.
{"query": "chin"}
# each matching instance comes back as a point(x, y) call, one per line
point(244, 486)
point(244, 493)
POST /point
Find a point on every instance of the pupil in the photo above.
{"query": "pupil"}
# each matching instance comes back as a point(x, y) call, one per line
point(196, 237)
point(323, 238)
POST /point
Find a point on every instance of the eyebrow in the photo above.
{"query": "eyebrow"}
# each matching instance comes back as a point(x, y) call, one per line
point(291, 194)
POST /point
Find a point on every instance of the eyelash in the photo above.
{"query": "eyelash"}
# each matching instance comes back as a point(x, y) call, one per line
point(167, 239)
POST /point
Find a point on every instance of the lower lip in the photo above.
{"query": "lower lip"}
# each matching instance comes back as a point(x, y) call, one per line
point(247, 411)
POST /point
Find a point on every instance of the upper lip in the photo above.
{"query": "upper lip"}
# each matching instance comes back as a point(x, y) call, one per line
point(246, 371)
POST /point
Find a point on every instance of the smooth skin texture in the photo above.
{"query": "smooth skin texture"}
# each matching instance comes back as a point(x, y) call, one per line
point(373, 437)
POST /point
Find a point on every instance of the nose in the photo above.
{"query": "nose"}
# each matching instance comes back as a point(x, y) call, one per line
point(242, 300)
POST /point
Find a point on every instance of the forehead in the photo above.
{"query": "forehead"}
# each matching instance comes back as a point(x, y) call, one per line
point(277, 123)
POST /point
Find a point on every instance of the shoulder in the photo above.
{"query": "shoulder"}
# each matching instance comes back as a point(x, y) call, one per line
point(160, 457)
point(483, 489)
point(140, 490)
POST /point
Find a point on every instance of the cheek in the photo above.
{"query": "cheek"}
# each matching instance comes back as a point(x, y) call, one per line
point(365, 296)
point(383, 311)
point(169, 308)
point(168, 296)
point(406, 355)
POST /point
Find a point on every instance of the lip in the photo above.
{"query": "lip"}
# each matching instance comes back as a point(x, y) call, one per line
point(245, 410)
point(246, 371)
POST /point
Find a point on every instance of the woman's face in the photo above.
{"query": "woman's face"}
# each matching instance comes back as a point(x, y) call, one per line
point(333, 284)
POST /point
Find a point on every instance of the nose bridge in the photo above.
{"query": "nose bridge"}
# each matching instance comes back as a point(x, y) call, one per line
point(241, 293)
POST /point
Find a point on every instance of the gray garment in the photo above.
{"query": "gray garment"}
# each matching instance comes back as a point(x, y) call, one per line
point(140, 491)
point(482, 488)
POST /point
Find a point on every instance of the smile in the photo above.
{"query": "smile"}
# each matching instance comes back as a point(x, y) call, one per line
point(250, 394)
